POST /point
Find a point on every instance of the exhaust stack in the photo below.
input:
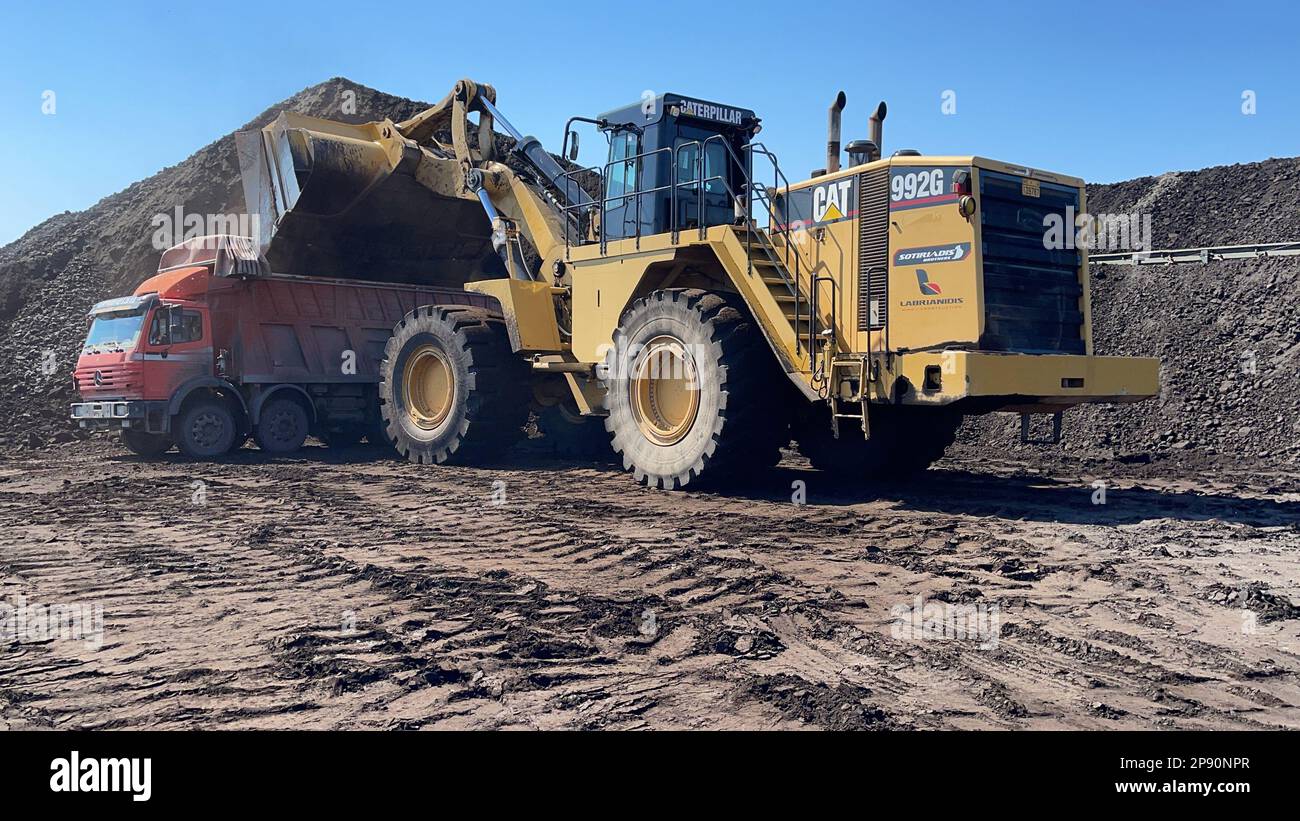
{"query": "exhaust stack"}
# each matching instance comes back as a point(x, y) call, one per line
point(833, 133)
point(875, 129)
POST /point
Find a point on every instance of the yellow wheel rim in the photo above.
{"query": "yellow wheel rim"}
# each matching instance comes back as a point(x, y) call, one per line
point(428, 387)
point(665, 390)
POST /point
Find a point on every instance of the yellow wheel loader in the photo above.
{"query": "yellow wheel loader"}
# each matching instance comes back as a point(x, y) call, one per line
point(686, 293)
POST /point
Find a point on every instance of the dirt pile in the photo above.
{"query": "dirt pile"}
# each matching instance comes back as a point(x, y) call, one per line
point(54, 272)
point(1227, 333)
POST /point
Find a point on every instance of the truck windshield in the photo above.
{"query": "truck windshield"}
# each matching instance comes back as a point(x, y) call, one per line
point(115, 331)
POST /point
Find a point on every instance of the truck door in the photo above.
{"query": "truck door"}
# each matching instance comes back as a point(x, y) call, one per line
point(177, 349)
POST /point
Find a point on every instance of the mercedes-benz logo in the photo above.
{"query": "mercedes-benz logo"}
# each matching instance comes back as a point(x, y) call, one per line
point(99, 379)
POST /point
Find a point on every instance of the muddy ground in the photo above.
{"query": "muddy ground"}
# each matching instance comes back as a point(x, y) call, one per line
point(354, 591)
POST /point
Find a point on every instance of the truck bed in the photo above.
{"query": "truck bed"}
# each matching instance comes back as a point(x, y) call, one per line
point(298, 329)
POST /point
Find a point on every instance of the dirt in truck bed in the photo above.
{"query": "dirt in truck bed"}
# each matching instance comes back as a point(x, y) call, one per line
point(356, 591)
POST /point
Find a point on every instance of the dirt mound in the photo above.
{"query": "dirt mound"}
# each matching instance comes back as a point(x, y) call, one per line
point(1224, 205)
point(54, 272)
point(1227, 333)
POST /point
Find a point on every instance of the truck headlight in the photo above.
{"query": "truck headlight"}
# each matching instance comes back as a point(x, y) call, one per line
point(119, 409)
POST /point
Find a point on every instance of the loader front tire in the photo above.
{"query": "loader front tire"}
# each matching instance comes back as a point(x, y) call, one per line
point(451, 390)
point(693, 390)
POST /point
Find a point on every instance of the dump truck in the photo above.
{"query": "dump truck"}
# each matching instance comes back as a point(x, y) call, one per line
point(214, 348)
point(684, 301)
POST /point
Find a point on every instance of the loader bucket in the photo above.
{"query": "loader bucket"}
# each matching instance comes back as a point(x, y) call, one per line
point(359, 202)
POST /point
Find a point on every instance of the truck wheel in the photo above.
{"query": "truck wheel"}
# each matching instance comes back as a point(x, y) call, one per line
point(693, 389)
point(148, 445)
point(450, 387)
point(282, 427)
point(205, 430)
point(568, 433)
point(904, 441)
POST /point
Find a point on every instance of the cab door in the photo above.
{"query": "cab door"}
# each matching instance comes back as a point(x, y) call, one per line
point(622, 185)
point(178, 348)
point(705, 176)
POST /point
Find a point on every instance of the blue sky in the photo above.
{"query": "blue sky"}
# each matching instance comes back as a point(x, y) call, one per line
point(1103, 90)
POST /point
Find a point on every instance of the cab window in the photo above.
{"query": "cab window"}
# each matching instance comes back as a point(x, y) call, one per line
point(185, 326)
point(623, 167)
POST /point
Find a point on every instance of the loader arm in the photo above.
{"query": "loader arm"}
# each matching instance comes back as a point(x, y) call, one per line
point(542, 208)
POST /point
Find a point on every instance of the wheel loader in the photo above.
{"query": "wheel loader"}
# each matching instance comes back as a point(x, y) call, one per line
point(685, 302)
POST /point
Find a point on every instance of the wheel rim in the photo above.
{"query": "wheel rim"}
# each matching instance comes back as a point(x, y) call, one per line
point(283, 427)
point(665, 391)
point(428, 387)
point(207, 429)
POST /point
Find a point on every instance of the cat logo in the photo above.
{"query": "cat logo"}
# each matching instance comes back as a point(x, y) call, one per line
point(835, 200)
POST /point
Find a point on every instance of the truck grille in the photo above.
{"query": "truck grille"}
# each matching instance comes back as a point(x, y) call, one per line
point(1031, 293)
point(114, 380)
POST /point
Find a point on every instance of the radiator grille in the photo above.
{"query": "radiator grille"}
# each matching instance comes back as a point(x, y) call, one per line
point(1031, 293)
point(873, 249)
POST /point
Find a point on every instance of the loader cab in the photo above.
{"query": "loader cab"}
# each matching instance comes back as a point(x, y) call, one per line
point(674, 163)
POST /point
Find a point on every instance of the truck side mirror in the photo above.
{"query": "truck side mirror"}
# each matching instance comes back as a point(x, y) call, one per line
point(573, 146)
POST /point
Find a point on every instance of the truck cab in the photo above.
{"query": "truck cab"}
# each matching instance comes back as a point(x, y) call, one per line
point(140, 350)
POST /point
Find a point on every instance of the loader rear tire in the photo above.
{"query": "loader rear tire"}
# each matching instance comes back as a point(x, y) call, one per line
point(451, 390)
point(904, 442)
point(148, 445)
point(693, 391)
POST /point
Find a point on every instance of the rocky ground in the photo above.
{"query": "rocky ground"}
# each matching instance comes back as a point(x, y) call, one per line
point(355, 591)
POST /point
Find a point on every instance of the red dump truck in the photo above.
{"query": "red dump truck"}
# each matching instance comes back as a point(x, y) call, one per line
point(215, 348)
